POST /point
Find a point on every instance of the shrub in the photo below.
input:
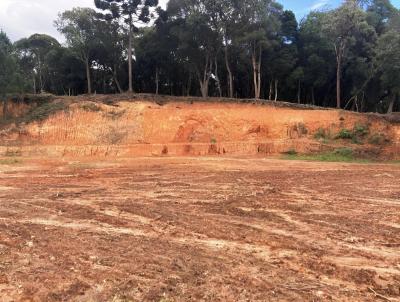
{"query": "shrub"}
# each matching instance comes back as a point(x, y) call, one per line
point(344, 134)
point(361, 130)
point(322, 134)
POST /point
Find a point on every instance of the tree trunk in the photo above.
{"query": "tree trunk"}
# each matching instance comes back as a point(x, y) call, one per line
point(230, 76)
point(276, 90)
point(157, 81)
point(312, 95)
point(130, 60)
point(40, 75)
point(34, 83)
point(391, 106)
point(205, 79)
point(189, 85)
point(5, 112)
point(89, 83)
point(217, 78)
point(339, 53)
point(270, 90)
point(115, 77)
point(299, 92)
point(256, 72)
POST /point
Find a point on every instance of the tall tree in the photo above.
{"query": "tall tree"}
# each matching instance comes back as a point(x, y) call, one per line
point(79, 28)
point(258, 23)
point(36, 48)
point(341, 26)
point(388, 60)
point(198, 43)
point(132, 13)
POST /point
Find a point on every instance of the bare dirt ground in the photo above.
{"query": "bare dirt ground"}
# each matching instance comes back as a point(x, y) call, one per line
point(199, 229)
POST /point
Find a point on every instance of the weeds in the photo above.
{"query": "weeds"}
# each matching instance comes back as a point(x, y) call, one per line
point(42, 112)
point(345, 134)
point(321, 134)
point(339, 155)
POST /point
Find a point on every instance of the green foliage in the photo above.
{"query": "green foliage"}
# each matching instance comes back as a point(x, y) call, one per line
point(243, 49)
point(361, 130)
point(43, 111)
point(345, 134)
point(338, 155)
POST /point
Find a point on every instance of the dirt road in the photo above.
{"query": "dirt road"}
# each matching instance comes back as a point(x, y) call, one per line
point(199, 229)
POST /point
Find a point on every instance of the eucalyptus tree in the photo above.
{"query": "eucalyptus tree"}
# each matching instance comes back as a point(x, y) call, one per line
point(388, 60)
point(342, 26)
point(79, 28)
point(223, 15)
point(33, 51)
point(132, 13)
point(259, 22)
point(109, 53)
point(198, 42)
point(11, 78)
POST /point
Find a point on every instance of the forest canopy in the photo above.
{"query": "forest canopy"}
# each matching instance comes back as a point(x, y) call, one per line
point(347, 57)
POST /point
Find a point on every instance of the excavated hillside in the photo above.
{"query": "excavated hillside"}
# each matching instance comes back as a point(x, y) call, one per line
point(154, 126)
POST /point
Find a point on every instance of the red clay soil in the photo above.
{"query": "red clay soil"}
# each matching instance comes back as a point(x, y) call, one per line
point(141, 127)
point(199, 229)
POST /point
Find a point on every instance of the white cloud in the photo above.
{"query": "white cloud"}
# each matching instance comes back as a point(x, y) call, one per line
point(22, 18)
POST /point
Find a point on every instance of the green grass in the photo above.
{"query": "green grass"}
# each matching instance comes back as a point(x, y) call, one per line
point(344, 155)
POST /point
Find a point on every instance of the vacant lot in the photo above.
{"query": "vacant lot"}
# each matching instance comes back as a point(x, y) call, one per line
point(204, 229)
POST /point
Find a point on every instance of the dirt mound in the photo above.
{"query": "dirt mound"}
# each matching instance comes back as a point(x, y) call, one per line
point(144, 126)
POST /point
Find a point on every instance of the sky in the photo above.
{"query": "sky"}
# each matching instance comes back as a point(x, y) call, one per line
point(21, 18)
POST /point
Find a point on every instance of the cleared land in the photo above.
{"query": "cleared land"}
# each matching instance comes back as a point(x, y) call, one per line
point(199, 229)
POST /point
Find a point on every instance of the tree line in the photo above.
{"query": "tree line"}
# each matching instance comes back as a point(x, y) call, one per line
point(348, 57)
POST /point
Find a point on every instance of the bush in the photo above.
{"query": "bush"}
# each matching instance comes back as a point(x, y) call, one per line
point(344, 134)
point(320, 134)
point(361, 130)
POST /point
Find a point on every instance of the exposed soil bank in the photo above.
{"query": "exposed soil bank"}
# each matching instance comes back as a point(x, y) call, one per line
point(146, 126)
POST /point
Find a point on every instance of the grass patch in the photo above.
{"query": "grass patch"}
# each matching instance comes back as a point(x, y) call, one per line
point(345, 134)
point(339, 155)
point(43, 111)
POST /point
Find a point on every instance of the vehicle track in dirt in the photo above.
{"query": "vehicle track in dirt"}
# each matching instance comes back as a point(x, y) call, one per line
point(199, 229)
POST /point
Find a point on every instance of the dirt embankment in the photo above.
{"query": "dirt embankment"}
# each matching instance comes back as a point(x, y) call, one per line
point(145, 127)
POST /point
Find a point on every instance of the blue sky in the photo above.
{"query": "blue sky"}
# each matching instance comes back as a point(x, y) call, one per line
point(302, 7)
